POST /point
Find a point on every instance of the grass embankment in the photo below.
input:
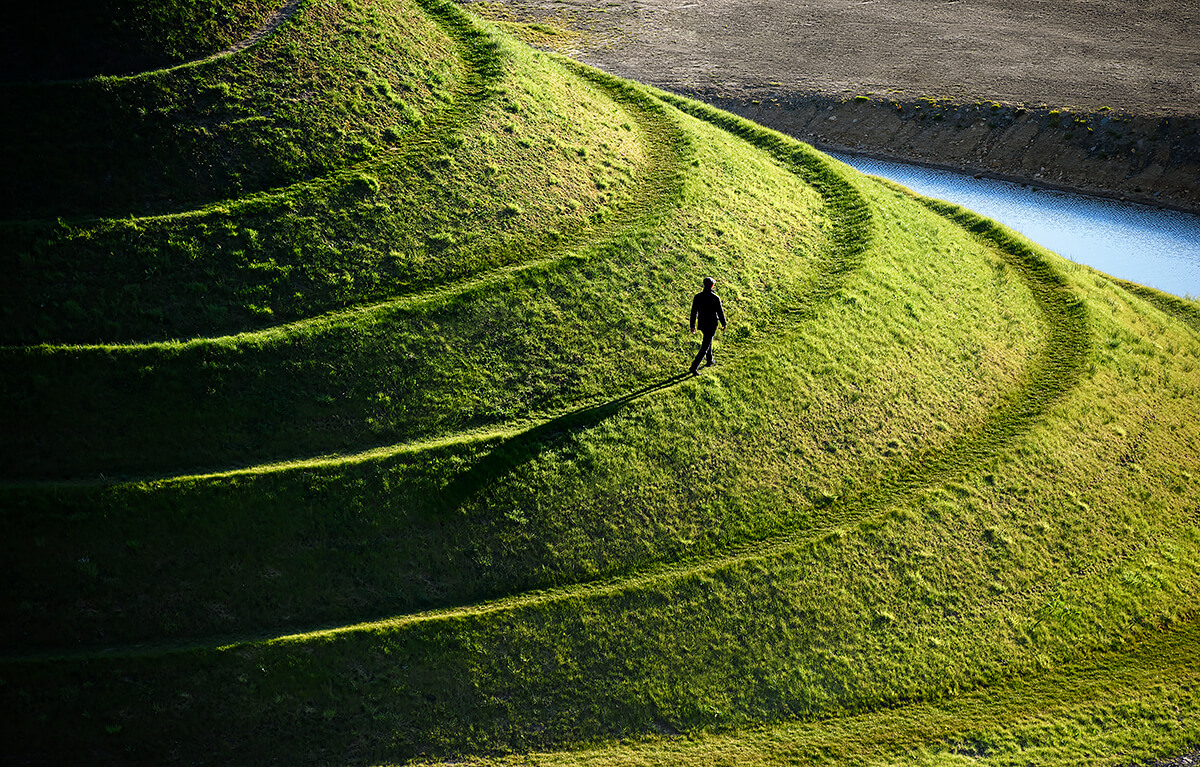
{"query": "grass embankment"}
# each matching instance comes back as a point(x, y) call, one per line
point(54, 41)
point(1119, 708)
point(933, 459)
point(298, 104)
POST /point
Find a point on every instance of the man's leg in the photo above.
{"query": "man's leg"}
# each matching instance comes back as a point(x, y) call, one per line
point(705, 349)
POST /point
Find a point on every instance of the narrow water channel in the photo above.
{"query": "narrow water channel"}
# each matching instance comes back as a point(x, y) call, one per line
point(1151, 246)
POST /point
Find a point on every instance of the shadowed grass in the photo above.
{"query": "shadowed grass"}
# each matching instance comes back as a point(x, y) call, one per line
point(86, 39)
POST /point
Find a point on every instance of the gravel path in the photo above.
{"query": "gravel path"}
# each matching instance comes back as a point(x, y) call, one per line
point(272, 23)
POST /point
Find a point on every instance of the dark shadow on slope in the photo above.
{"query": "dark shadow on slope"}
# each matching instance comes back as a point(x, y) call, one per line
point(528, 445)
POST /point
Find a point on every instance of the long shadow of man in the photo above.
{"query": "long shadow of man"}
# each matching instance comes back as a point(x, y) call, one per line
point(528, 445)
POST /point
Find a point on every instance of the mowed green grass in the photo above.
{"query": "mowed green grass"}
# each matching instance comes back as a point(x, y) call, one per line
point(936, 502)
point(1116, 709)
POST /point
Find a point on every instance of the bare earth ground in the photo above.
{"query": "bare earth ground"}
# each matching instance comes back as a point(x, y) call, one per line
point(1143, 57)
point(1017, 85)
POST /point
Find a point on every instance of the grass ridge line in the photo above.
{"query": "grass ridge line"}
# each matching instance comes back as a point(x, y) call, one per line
point(855, 230)
point(269, 26)
point(1181, 308)
point(945, 727)
point(1045, 385)
point(272, 23)
point(661, 187)
point(477, 48)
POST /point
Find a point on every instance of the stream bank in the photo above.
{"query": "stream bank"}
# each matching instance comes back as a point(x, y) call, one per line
point(1149, 159)
point(1143, 244)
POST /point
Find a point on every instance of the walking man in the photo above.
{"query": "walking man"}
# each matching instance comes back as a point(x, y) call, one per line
point(706, 313)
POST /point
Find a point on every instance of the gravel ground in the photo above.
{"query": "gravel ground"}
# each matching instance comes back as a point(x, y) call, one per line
point(1187, 760)
point(1139, 57)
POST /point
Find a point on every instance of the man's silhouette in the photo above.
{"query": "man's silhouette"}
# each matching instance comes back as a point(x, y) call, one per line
point(706, 313)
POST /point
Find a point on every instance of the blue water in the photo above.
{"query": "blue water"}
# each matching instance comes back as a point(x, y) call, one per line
point(1151, 246)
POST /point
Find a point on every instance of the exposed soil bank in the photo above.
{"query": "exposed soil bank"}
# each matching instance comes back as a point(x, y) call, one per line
point(1124, 70)
point(1154, 160)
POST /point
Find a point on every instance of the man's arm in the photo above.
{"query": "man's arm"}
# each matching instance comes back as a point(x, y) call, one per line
point(721, 313)
point(695, 311)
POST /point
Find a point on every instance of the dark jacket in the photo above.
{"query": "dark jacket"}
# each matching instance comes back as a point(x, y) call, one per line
point(706, 311)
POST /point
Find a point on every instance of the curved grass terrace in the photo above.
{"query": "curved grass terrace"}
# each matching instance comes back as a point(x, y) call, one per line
point(936, 498)
point(86, 40)
point(318, 245)
point(171, 140)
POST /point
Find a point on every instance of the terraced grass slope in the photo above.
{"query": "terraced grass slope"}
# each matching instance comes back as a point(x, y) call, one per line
point(64, 39)
point(371, 442)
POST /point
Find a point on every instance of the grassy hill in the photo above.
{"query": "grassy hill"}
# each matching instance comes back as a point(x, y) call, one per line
point(70, 39)
point(345, 422)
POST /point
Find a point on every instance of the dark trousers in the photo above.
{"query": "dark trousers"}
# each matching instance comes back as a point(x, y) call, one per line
point(705, 348)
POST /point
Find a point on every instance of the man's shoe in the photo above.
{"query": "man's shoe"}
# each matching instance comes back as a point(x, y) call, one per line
point(709, 364)
point(694, 371)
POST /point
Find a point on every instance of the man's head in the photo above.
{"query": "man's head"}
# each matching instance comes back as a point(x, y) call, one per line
point(708, 283)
